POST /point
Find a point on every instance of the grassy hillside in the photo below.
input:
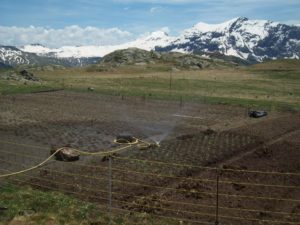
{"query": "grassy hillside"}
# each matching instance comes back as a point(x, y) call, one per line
point(281, 64)
point(259, 86)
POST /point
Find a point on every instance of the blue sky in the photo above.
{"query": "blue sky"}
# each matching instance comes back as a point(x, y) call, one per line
point(135, 17)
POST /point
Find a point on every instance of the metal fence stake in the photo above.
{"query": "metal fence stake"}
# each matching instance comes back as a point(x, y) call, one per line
point(217, 200)
point(110, 189)
point(181, 102)
point(170, 81)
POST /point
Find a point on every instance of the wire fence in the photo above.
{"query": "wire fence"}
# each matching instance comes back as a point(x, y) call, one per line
point(184, 194)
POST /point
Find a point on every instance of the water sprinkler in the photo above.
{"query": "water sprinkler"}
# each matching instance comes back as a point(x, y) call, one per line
point(146, 145)
point(126, 138)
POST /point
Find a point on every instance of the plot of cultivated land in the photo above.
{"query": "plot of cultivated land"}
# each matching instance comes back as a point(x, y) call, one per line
point(188, 133)
point(90, 122)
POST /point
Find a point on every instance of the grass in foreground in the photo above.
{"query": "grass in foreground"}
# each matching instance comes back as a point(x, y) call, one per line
point(15, 87)
point(38, 207)
point(27, 206)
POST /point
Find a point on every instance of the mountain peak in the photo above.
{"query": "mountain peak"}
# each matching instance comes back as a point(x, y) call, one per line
point(37, 44)
point(241, 19)
point(202, 27)
point(160, 34)
point(248, 39)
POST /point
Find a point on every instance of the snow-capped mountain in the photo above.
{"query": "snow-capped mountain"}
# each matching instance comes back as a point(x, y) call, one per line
point(75, 55)
point(149, 42)
point(253, 40)
point(12, 56)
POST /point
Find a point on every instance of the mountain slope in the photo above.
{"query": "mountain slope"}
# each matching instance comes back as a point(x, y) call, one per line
point(4, 66)
point(12, 56)
point(149, 42)
point(253, 40)
point(250, 40)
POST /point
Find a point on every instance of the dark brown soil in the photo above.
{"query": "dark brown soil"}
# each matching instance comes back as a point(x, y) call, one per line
point(198, 135)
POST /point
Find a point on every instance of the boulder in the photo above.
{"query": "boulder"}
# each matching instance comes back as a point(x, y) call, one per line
point(66, 154)
point(174, 69)
point(28, 76)
point(49, 68)
point(140, 64)
point(209, 131)
point(90, 89)
point(3, 208)
point(155, 55)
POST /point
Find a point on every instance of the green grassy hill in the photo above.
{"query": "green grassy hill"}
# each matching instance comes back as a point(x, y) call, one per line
point(262, 85)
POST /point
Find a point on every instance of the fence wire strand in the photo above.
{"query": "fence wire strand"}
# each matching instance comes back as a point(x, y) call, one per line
point(99, 174)
point(173, 164)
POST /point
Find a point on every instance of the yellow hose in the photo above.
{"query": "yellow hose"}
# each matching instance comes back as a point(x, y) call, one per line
point(128, 145)
point(32, 168)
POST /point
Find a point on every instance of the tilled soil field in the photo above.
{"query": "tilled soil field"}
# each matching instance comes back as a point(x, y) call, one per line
point(201, 147)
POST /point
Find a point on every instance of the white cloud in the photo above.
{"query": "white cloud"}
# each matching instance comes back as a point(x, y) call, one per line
point(292, 22)
point(158, 1)
point(205, 1)
point(70, 35)
point(156, 9)
point(165, 29)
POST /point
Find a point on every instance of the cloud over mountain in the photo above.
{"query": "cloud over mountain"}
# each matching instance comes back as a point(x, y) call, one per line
point(70, 35)
point(253, 40)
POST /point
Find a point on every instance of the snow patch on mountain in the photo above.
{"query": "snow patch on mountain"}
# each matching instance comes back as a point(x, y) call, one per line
point(253, 40)
point(205, 27)
point(158, 38)
point(179, 50)
point(35, 48)
point(12, 56)
point(7, 56)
